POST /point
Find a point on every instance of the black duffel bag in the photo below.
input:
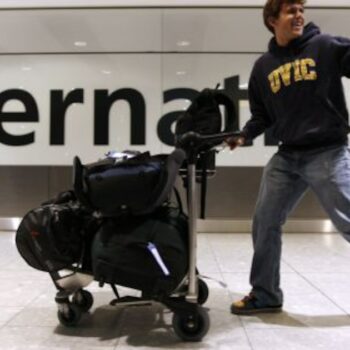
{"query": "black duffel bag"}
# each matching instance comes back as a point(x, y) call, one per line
point(135, 186)
point(52, 237)
point(148, 253)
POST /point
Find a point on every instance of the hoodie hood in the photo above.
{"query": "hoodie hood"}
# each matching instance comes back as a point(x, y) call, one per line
point(310, 30)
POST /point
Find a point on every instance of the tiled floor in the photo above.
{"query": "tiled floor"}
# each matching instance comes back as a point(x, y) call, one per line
point(315, 279)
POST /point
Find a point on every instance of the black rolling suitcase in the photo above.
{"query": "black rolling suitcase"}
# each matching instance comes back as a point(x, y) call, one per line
point(147, 253)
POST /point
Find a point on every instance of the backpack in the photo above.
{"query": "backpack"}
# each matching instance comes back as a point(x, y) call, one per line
point(148, 253)
point(203, 116)
point(135, 186)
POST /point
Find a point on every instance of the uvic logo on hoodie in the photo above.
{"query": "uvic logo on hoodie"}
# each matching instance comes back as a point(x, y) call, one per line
point(301, 69)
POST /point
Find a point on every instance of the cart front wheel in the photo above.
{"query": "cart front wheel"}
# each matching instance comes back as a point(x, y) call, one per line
point(191, 326)
point(83, 299)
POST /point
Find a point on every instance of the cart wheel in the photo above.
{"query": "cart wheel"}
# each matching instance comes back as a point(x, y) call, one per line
point(83, 299)
point(70, 317)
point(191, 327)
point(203, 292)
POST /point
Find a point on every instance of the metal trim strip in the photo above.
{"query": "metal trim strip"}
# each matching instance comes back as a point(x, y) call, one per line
point(244, 226)
point(218, 225)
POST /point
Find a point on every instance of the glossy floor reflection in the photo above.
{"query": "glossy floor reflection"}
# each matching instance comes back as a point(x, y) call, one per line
point(315, 279)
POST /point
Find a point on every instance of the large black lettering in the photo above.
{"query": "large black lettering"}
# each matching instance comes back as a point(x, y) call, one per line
point(103, 103)
point(231, 86)
point(165, 123)
point(59, 106)
point(29, 115)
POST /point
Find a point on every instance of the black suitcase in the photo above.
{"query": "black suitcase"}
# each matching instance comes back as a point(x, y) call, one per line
point(148, 253)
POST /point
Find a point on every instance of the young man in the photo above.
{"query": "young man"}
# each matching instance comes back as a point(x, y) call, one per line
point(295, 88)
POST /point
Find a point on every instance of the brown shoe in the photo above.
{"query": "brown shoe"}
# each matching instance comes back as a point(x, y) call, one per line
point(250, 305)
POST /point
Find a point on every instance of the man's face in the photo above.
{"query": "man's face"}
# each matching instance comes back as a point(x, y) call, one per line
point(289, 24)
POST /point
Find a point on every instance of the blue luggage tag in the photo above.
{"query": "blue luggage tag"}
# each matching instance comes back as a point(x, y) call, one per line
point(154, 251)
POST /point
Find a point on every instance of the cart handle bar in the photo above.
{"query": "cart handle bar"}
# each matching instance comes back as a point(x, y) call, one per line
point(191, 139)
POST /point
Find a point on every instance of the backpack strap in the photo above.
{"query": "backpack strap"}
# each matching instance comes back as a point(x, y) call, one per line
point(78, 182)
point(222, 98)
point(178, 199)
point(173, 164)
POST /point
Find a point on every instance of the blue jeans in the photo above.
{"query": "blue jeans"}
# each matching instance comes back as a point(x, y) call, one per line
point(285, 179)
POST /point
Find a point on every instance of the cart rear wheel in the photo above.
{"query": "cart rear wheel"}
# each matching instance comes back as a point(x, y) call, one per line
point(70, 315)
point(191, 326)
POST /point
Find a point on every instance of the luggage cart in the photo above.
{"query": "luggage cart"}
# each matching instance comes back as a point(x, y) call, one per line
point(190, 320)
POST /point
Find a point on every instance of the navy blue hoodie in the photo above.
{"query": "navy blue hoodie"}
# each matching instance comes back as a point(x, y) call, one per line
point(297, 91)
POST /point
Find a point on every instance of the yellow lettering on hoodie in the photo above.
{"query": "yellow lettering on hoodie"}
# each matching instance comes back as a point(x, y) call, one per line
point(284, 72)
point(275, 82)
point(306, 65)
point(297, 71)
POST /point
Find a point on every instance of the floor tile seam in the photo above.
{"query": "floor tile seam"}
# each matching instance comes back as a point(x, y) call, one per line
point(212, 251)
point(58, 325)
point(76, 337)
point(248, 272)
point(227, 272)
point(41, 326)
point(6, 324)
point(245, 330)
point(22, 308)
point(121, 325)
point(279, 328)
point(41, 342)
point(229, 292)
point(219, 269)
point(317, 288)
point(240, 320)
point(26, 326)
point(35, 299)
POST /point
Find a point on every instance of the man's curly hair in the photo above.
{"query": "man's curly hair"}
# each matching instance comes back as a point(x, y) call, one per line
point(272, 9)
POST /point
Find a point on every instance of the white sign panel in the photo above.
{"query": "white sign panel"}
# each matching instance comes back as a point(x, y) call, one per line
point(53, 107)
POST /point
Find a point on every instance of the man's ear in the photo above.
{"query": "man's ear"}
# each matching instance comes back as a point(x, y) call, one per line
point(272, 21)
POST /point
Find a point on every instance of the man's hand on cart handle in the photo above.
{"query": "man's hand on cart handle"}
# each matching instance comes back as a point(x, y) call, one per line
point(235, 141)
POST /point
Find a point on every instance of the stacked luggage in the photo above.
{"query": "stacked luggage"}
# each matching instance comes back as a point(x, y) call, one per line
point(119, 227)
